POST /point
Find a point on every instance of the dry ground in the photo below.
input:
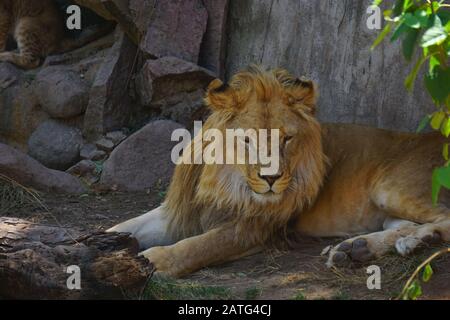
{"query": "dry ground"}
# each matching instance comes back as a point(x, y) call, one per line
point(296, 274)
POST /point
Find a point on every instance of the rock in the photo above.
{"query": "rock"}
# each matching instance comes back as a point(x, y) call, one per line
point(118, 11)
point(168, 76)
point(109, 105)
point(116, 137)
point(184, 107)
point(82, 168)
point(212, 50)
point(176, 28)
point(55, 145)
point(86, 170)
point(30, 173)
point(90, 152)
point(105, 144)
point(143, 159)
point(61, 92)
point(9, 75)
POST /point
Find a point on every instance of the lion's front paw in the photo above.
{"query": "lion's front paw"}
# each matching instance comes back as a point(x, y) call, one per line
point(162, 259)
point(356, 249)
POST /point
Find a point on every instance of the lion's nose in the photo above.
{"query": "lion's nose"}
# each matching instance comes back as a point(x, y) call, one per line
point(271, 179)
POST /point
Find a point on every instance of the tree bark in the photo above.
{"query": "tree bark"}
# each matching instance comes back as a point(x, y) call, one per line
point(329, 42)
point(34, 259)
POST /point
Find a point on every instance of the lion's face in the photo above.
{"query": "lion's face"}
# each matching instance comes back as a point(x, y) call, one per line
point(269, 100)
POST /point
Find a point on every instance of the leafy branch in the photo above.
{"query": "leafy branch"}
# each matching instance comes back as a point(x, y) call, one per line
point(425, 24)
point(412, 288)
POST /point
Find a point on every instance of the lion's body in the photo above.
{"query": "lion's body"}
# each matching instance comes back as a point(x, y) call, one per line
point(38, 28)
point(334, 180)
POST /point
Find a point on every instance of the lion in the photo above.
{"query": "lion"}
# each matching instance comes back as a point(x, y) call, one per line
point(371, 186)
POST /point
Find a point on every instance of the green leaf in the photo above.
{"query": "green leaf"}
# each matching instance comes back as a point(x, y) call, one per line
point(398, 7)
point(422, 16)
point(423, 123)
point(386, 30)
point(409, 43)
point(436, 120)
point(401, 28)
point(445, 128)
point(443, 175)
point(427, 273)
point(377, 2)
point(445, 152)
point(440, 178)
point(435, 5)
point(411, 78)
point(437, 84)
point(414, 290)
point(434, 62)
point(434, 35)
point(435, 186)
point(412, 21)
point(407, 4)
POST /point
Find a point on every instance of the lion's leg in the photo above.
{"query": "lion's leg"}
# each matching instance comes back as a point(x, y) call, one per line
point(29, 44)
point(150, 229)
point(191, 254)
point(421, 224)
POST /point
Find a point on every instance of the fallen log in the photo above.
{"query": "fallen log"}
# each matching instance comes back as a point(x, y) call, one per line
point(50, 262)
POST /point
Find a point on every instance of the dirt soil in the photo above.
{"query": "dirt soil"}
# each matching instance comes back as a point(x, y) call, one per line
point(299, 273)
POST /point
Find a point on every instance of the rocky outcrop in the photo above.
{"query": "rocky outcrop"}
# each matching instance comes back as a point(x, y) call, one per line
point(212, 50)
point(110, 106)
point(61, 92)
point(55, 145)
point(143, 160)
point(28, 172)
point(176, 28)
point(174, 87)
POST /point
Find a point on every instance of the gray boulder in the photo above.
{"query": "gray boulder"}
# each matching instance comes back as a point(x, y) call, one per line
point(30, 173)
point(61, 92)
point(143, 160)
point(55, 145)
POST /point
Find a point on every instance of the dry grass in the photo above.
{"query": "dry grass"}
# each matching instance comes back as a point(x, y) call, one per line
point(395, 272)
point(13, 195)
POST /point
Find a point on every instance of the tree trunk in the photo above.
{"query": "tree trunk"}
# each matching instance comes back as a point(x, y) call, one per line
point(34, 261)
point(329, 42)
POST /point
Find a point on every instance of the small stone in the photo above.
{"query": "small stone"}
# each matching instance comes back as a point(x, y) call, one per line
point(82, 168)
point(90, 152)
point(116, 137)
point(86, 170)
point(105, 144)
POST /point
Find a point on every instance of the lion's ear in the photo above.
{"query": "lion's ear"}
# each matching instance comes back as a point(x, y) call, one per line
point(303, 93)
point(219, 96)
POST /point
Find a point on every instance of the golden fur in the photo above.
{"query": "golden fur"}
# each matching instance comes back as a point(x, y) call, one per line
point(38, 28)
point(203, 196)
point(334, 180)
